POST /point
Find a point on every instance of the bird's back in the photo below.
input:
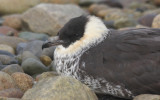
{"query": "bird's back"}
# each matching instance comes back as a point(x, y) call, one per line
point(129, 59)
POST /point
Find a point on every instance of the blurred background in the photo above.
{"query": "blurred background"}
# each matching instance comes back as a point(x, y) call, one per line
point(48, 16)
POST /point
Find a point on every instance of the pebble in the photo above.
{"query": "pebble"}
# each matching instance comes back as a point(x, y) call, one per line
point(154, 11)
point(6, 60)
point(156, 22)
point(8, 31)
point(7, 48)
point(147, 20)
point(22, 80)
point(156, 2)
point(147, 97)
point(2, 52)
point(27, 54)
point(2, 66)
point(6, 81)
point(11, 41)
point(34, 47)
point(5, 98)
point(16, 6)
point(1, 21)
point(103, 13)
point(60, 88)
point(141, 7)
point(10, 69)
point(20, 48)
point(11, 93)
point(13, 21)
point(60, 1)
point(124, 22)
point(116, 15)
point(95, 8)
point(32, 66)
point(45, 60)
point(50, 18)
point(33, 36)
point(45, 75)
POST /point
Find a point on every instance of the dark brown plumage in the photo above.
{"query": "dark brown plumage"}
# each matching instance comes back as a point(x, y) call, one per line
point(130, 58)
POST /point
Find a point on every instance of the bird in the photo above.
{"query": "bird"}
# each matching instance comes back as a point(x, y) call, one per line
point(121, 63)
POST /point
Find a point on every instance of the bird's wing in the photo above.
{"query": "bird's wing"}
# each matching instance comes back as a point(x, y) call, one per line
point(128, 58)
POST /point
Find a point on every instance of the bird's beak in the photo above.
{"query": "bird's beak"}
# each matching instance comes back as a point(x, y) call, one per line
point(52, 41)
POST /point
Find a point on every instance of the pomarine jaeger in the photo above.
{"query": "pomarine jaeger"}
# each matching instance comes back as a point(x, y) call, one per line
point(122, 63)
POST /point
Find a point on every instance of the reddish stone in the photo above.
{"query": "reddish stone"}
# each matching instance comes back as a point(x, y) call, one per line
point(11, 93)
point(8, 31)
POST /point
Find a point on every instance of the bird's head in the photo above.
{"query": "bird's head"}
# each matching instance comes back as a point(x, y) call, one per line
point(78, 32)
point(71, 32)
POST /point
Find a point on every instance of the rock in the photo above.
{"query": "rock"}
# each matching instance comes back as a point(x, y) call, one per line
point(6, 81)
point(11, 93)
point(95, 8)
point(109, 24)
point(13, 21)
point(124, 22)
point(10, 69)
point(141, 26)
point(60, 1)
point(103, 13)
point(32, 66)
point(6, 60)
point(34, 47)
point(2, 52)
point(27, 54)
point(2, 66)
point(49, 51)
point(116, 15)
point(120, 19)
point(147, 97)
point(8, 48)
point(22, 80)
point(141, 6)
point(5, 98)
point(156, 2)
point(8, 31)
point(1, 21)
point(147, 20)
point(111, 3)
point(46, 75)
point(60, 88)
point(45, 60)
point(132, 13)
point(127, 28)
point(109, 97)
point(126, 3)
point(16, 6)
point(88, 2)
point(49, 18)
point(20, 48)
point(156, 22)
point(12, 41)
point(154, 11)
point(33, 36)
